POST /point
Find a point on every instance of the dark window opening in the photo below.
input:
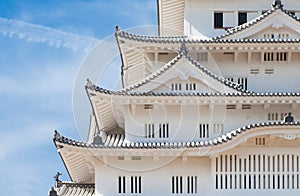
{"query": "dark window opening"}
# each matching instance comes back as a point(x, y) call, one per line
point(218, 20)
point(242, 18)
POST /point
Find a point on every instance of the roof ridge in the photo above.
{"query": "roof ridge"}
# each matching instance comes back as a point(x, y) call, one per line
point(236, 94)
point(218, 39)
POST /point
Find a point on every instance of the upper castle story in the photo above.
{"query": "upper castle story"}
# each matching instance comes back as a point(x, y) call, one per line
point(212, 18)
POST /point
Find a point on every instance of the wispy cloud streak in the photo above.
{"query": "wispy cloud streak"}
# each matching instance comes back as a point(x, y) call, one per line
point(42, 34)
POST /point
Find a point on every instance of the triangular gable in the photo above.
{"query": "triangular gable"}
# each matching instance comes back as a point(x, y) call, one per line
point(188, 71)
point(280, 21)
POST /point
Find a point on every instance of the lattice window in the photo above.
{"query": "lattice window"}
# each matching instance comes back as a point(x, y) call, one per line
point(163, 130)
point(149, 130)
point(218, 128)
point(257, 171)
point(135, 184)
point(274, 116)
point(191, 184)
point(202, 56)
point(176, 86)
point(177, 184)
point(275, 56)
point(122, 184)
point(242, 81)
point(204, 130)
point(260, 141)
point(283, 36)
point(269, 36)
point(190, 86)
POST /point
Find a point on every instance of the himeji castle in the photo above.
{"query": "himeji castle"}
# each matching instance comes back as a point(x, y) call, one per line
point(210, 107)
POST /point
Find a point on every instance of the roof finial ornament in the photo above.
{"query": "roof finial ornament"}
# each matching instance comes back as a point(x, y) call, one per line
point(89, 83)
point(118, 29)
point(56, 177)
point(289, 118)
point(183, 50)
point(56, 134)
point(277, 4)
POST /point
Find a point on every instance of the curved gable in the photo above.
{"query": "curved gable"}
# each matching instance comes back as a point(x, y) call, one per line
point(278, 22)
point(183, 70)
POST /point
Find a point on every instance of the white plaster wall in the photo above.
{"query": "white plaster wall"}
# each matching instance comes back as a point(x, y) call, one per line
point(199, 13)
point(283, 79)
point(184, 120)
point(154, 180)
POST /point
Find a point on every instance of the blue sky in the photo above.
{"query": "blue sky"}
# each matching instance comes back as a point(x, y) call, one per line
point(43, 44)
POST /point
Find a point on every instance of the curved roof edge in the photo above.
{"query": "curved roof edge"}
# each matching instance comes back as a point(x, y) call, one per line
point(174, 145)
point(189, 40)
point(96, 88)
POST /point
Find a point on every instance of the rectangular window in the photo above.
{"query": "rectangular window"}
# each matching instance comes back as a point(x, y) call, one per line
point(275, 56)
point(276, 116)
point(191, 184)
point(177, 184)
point(149, 130)
point(269, 36)
point(176, 86)
point(230, 107)
point(163, 130)
point(190, 86)
point(218, 20)
point(135, 184)
point(202, 56)
point(218, 128)
point(273, 116)
point(122, 184)
point(148, 106)
point(243, 82)
point(260, 141)
point(254, 71)
point(242, 18)
point(204, 130)
point(269, 71)
point(246, 106)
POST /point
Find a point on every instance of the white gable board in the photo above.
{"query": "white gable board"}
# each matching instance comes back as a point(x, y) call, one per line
point(183, 76)
point(275, 25)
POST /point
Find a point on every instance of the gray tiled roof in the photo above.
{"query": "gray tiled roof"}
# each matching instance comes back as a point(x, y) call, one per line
point(193, 94)
point(189, 40)
point(75, 189)
point(115, 141)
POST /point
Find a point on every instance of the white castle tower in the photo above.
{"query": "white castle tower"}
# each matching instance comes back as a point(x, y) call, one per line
point(208, 107)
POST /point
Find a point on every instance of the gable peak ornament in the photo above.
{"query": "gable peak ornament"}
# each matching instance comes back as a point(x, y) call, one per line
point(277, 4)
point(183, 50)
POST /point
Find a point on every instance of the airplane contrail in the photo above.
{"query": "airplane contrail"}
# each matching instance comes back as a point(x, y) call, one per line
point(42, 34)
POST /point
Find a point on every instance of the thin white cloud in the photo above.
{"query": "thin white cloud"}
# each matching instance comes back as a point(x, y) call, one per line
point(41, 34)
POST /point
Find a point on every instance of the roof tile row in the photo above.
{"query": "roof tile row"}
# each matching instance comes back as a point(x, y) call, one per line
point(159, 145)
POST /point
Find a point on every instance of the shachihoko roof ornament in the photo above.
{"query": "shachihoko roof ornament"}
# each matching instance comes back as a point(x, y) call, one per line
point(277, 4)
